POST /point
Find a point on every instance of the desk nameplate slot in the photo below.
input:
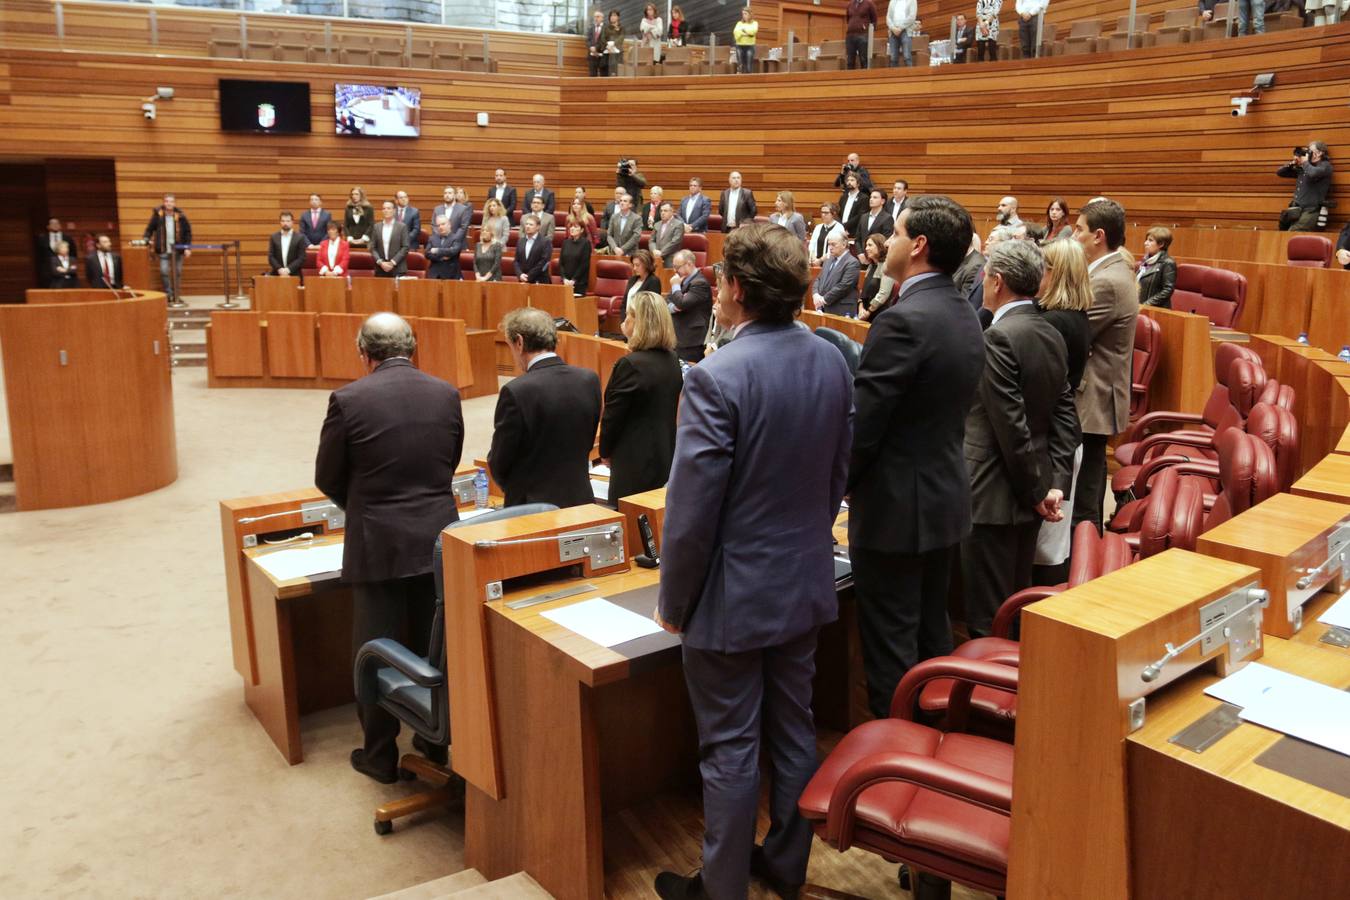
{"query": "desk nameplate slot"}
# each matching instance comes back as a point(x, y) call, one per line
point(1205, 731)
point(524, 602)
point(1336, 637)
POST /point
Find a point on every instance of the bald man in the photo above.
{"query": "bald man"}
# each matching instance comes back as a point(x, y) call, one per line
point(387, 454)
point(1007, 212)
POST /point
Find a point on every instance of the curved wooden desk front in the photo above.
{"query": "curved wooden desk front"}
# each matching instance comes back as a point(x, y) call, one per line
point(90, 398)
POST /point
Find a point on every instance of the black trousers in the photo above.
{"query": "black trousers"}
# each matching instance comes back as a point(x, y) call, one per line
point(902, 615)
point(855, 47)
point(598, 65)
point(402, 609)
point(1090, 489)
point(983, 47)
point(996, 563)
point(1027, 32)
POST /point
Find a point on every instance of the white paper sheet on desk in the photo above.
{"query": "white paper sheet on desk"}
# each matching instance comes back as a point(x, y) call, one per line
point(600, 489)
point(1338, 614)
point(601, 470)
point(466, 514)
point(1251, 684)
point(602, 622)
point(284, 565)
point(1310, 711)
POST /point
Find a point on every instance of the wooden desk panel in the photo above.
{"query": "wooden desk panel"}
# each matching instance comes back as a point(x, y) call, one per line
point(499, 298)
point(1185, 373)
point(291, 345)
point(1327, 410)
point(325, 294)
point(554, 299)
point(652, 504)
point(609, 353)
point(1328, 480)
point(338, 356)
point(276, 293)
point(1286, 299)
point(372, 295)
point(136, 268)
point(580, 350)
point(587, 316)
point(1329, 318)
point(72, 295)
point(443, 351)
point(420, 297)
point(235, 344)
point(482, 346)
point(464, 300)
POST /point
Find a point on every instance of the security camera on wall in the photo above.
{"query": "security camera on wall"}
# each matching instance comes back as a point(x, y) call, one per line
point(1240, 105)
point(148, 110)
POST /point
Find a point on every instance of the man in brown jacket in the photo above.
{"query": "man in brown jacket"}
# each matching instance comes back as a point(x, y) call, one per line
point(1104, 393)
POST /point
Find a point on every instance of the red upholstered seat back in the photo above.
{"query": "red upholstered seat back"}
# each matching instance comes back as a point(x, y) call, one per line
point(417, 264)
point(698, 245)
point(611, 277)
point(1246, 381)
point(1146, 339)
point(1278, 429)
point(1247, 474)
point(715, 222)
point(361, 264)
point(1215, 293)
point(1309, 251)
point(1173, 515)
point(1187, 289)
point(1223, 363)
point(1094, 555)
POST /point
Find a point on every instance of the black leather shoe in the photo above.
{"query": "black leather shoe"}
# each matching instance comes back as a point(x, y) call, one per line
point(760, 870)
point(433, 752)
point(679, 887)
point(359, 764)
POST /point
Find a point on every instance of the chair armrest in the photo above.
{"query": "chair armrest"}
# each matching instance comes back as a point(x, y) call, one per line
point(924, 772)
point(1152, 420)
point(382, 652)
point(1007, 613)
point(1200, 439)
point(1151, 467)
point(967, 672)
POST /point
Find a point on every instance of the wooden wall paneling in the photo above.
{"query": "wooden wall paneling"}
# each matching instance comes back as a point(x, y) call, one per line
point(235, 347)
point(500, 297)
point(1286, 299)
point(483, 362)
point(583, 351)
point(464, 300)
point(372, 295)
point(1185, 373)
point(1235, 243)
point(1325, 413)
point(1255, 273)
point(1329, 317)
point(291, 342)
point(587, 315)
point(419, 297)
point(443, 350)
point(276, 293)
point(555, 299)
point(338, 357)
point(325, 295)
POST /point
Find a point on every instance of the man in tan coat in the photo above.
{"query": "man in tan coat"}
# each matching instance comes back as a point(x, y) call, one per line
point(1104, 393)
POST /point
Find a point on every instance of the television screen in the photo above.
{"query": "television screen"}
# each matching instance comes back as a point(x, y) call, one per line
point(271, 107)
point(378, 111)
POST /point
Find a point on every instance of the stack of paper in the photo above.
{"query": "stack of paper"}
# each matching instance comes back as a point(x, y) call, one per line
point(283, 565)
point(600, 489)
point(1338, 615)
point(1297, 706)
point(602, 622)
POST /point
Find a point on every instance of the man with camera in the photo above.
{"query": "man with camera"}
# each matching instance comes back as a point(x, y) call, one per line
point(854, 166)
point(627, 176)
point(1312, 167)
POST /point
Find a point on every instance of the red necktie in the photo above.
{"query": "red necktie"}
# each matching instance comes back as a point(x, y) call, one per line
point(400, 213)
point(107, 271)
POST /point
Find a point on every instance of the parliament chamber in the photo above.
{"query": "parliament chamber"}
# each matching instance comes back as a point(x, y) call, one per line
point(149, 493)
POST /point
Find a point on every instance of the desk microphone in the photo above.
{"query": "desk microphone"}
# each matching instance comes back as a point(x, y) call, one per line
point(649, 559)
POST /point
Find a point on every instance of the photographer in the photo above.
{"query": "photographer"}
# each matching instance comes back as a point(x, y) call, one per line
point(1311, 165)
point(627, 176)
point(853, 166)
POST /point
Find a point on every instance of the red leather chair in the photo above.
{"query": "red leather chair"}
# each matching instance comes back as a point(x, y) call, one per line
point(1309, 251)
point(1276, 394)
point(361, 264)
point(715, 222)
point(611, 280)
point(1147, 341)
point(940, 802)
point(696, 244)
point(509, 269)
point(1215, 293)
point(417, 264)
point(466, 270)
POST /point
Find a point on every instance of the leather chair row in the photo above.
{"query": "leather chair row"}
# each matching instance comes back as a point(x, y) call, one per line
point(1217, 294)
point(361, 263)
point(1310, 251)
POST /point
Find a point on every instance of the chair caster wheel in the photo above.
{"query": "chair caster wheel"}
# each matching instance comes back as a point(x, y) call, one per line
point(383, 827)
point(904, 878)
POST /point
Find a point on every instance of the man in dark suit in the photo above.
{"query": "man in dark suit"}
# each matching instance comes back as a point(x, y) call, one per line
point(625, 229)
point(965, 39)
point(696, 207)
point(898, 201)
point(410, 217)
point(286, 248)
point(63, 268)
point(747, 574)
point(909, 503)
point(1021, 435)
point(876, 220)
point(47, 246)
point(460, 215)
point(538, 190)
point(736, 206)
point(442, 257)
point(388, 451)
point(504, 192)
point(544, 427)
point(690, 304)
point(389, 245)
point(103, 267)
point(596, 39)
point(608, 212)
point(836, 288)
point(314, 221)
point(533, 252)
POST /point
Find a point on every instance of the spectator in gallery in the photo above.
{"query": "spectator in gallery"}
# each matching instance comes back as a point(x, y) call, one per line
point(487, 254)
point(46, 247)
point(859, 15)
point(744, 35)
point(1157, 271)
point(596, 37)
point(494, 214)
point(678, 31)
point(650, 30)
point(1251, 16)
point(358, 219)
point(986, 29)
point(963, 39)
point(574, 258)
point(853, 166)
point(63, 268)
point(1028, 14)
point(612, 46)
point(901, 16)
point(785, 214)
point(103, 267)
point(169, 228)
point(334, 252)
point(1057, 224)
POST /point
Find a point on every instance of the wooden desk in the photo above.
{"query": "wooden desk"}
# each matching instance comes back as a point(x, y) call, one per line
point(1329, 479)
point(1217, 824)
point(1185, 373)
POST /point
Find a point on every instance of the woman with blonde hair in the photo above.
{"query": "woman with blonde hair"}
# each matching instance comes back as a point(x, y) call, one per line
point(637, 431)
point(358, 220)
point(487, 254)
point(1066, 295)
point(494, 214)
point(785, 214)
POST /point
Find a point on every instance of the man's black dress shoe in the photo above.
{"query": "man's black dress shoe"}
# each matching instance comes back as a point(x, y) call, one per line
point(760, 870)
point(359, 764)
point(433, 752)
point(679, 887)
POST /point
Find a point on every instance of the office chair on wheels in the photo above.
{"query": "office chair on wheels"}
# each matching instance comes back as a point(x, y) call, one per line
point(414, 690)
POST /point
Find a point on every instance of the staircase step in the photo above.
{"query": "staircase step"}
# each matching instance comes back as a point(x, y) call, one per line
point(441, 887)
point(513, 887)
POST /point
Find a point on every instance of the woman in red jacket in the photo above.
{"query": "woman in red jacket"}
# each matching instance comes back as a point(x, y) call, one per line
point(333, 252)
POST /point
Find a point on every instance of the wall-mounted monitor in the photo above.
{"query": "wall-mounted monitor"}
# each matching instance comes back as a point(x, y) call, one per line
point(375, 110)
point(269, 107)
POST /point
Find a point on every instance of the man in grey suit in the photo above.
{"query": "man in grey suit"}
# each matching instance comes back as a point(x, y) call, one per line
point(459, 216)
point(625, 228)
point(1104, 392)
point(690, 303)
point(410, 217)
point(747, 567)
point(667, 234)
point(389, 245)
point(1021, 435)
point(836, 287)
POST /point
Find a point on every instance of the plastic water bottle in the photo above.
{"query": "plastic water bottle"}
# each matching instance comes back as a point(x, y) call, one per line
point(1303, 338)
point(1344, 355)
point(480, 490)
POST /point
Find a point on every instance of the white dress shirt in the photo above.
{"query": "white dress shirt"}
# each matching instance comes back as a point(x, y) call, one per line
point(542, 356)
point(848, 205)
point(385, 231)
point(690, 202)
point(733, 201)
point(285, 245)
point(1002, 310)
point(332, 253)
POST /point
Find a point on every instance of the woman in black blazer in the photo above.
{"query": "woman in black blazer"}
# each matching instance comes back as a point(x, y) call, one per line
point(1158, 272)
point(644, 276)
point(358, 220)
point(574, 259)
point(637, 429)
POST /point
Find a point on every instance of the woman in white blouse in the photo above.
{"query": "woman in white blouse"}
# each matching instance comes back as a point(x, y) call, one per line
point(819, 244)
point(333, 252)
point(650, 30)
point(785, 214)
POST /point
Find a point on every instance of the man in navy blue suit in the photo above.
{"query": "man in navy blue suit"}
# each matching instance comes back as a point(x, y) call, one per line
point(314, 221)
point(747, 571)
point(696, 207)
